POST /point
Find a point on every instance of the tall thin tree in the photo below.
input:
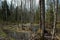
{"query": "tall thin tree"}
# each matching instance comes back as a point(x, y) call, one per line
point(42, 17)
point(5, 10)
point(55, 18)
point(31, 13)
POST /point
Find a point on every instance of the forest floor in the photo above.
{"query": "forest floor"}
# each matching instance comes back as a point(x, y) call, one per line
point(12, 31)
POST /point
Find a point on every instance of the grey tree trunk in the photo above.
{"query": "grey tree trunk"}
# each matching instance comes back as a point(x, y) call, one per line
point(21, 15)
point(6, 12)
point(25, 12)
point(17, 15)
point(40, 23)
point(55, 18)
point(43, 17)
point(31, 13)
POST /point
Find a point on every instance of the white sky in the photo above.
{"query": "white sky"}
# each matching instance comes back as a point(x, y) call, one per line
point(8, 1)
point(36, 1)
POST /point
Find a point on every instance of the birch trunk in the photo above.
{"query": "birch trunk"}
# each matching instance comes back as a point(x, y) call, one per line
point(55, 18)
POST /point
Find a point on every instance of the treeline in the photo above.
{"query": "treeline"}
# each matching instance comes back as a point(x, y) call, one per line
point(18, 13)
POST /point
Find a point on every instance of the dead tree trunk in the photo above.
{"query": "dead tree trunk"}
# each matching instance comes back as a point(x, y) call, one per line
point(31, 13)
point(17, 15)
point(40, 24)
point(42, 17)
point(55, 18)
point(21, 16)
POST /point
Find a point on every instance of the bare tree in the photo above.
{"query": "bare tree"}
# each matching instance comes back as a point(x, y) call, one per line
point(55, 9)
point(42, 6)
point(5, 11)
point(31, 12)
point(17, 10)
point(40, 15)
point(25, 12)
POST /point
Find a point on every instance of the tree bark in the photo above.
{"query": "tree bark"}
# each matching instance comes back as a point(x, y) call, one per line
point(42, 6)
point(55, 18)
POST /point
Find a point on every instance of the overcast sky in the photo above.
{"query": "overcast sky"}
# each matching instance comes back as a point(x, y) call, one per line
point(27, 3)
point(36, 1)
